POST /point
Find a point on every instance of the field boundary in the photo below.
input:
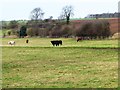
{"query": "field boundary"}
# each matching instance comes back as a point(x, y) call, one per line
point(60, 47)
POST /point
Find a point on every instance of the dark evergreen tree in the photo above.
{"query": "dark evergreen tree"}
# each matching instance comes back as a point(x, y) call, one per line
point(22, 32)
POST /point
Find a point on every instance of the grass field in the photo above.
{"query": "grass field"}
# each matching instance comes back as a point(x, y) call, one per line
point(84, 64)
point(0, 32)
point(67, 42)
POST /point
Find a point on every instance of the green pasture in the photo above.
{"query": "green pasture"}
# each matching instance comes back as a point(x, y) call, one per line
point(84, 64)
point(0, 32)
point(67, 42)
point(4, 31)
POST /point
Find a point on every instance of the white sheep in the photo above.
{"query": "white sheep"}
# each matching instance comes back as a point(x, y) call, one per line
point(11, 42)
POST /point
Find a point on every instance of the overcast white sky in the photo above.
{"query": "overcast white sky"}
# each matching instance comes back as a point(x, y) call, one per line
point(20, 9)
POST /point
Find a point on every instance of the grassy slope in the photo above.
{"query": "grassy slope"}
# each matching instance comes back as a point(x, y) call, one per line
point(42, 65)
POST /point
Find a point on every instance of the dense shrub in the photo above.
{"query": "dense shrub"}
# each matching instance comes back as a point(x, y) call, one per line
point(94, 29)
point(30, 32)
point(56, 31)
point(42, 32)
point(85, 30)
point(9, 32)
point(66, 31)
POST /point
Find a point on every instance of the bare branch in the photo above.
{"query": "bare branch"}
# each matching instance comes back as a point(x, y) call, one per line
point(67, 12)
point(37, 14)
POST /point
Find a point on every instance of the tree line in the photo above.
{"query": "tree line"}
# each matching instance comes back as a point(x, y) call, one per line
point(60, 27)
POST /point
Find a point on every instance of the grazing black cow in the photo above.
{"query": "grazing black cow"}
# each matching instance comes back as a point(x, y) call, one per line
point(27, 41)
point(56, 42)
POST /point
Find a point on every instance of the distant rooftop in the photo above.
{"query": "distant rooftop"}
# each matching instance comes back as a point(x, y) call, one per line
point(104, 15)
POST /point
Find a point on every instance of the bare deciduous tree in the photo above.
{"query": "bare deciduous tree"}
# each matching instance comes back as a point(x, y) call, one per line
point(67, 12)
point(37, 14)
